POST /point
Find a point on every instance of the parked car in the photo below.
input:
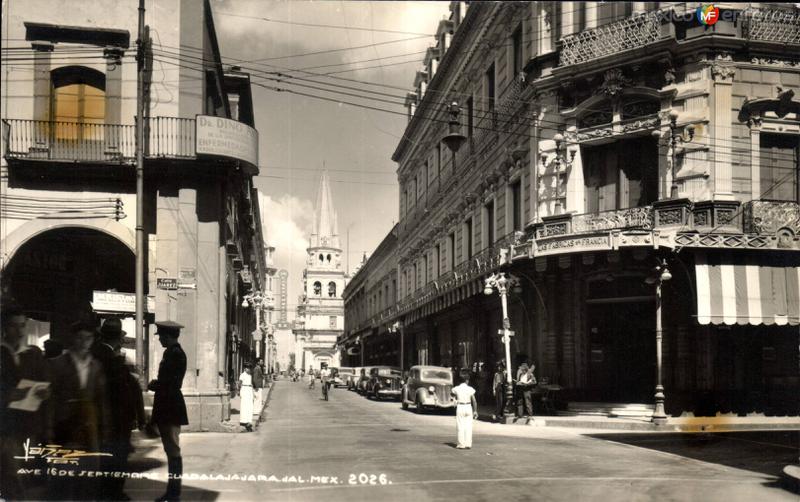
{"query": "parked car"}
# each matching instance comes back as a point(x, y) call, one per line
point(343, 376)
point(385, 381)
point(362, 384)
point(428, 387)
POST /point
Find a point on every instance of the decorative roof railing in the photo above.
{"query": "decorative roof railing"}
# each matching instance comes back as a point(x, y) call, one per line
point(782, 26)
point(625, 34)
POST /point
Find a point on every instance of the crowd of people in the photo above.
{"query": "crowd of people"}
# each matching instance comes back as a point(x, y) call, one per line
point(81, 395)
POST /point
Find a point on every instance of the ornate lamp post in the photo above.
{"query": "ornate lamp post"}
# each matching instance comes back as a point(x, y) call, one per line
point(660, 275)
point(503, 282)
point(257, 301)
point(454, 138)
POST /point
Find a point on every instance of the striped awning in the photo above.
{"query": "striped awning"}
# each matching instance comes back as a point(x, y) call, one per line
point(740, 290)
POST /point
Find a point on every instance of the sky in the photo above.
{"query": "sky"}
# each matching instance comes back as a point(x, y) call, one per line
point(298, 135)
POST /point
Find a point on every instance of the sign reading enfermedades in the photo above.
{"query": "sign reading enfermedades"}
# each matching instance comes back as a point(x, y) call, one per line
point(226, 138)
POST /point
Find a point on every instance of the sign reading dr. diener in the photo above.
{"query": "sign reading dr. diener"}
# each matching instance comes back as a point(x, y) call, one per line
point(226, 138)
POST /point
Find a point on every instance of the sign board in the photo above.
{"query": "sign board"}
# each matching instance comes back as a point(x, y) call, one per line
point(510, 332)
point(573, 244)
point(168, 283)
point(226, 138)
point(187, 278)
point(112, 301)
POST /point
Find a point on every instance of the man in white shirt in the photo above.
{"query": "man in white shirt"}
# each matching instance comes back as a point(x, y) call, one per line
point(466, 411)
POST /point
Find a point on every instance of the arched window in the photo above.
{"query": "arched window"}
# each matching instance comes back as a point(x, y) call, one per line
point(78, 102)
point(332, 289)
point(321, 258)
point(317, 288)
point(329, 258)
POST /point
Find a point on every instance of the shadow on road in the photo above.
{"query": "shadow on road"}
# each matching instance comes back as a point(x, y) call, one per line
point(764, 452)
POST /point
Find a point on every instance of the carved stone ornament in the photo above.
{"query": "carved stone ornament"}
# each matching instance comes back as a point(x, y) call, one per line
point(614, 81)
point(722, 72)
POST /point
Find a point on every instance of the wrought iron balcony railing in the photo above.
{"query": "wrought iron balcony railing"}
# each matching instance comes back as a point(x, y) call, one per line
point(167, 137)
point(625, 34)
point(620, 219)
point(782, 26)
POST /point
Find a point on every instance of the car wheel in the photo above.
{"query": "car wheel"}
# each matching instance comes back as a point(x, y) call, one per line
point(403, 402)
point(418, 406)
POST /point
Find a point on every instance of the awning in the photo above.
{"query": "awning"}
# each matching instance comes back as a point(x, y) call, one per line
point(740, 290)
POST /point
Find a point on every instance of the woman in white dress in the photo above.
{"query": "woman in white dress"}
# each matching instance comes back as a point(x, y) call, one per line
point(466, 411)
point(246, 396)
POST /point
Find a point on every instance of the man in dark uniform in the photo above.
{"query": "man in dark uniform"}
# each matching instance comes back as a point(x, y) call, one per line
point(169, 408)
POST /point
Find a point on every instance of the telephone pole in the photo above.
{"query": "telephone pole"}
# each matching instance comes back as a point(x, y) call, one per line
point(141, 45)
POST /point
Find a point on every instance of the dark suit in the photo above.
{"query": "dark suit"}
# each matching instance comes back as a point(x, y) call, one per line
point(168, 405)
point(11, 427)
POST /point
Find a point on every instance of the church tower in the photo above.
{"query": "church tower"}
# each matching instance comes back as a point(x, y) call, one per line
point(320, 312)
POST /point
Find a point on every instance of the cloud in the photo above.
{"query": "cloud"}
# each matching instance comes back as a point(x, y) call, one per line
point(286, 222)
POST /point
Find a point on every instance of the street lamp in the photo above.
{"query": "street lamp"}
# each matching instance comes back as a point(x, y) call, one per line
point(660, 275)
point(454, 138)
point(676, 135)
point(503, 284)
point(256, 300)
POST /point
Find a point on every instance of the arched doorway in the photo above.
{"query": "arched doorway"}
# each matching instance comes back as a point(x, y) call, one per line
point(53, 274)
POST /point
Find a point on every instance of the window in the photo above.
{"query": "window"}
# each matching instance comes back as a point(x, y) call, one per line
point(488, 220)
point(621, 175)
point(436, 260)
point(468, 239)
point(425, 269)
point(332, 289)
point(470, 115)
point(490, 90)
point(580, 22)
point(438, 160)
point(416, 277)
point(317, 288)
point(451, 251)
point(516, 205)
point(78, 102)
point(779, 167)
point(332, 322)
point(516, 44)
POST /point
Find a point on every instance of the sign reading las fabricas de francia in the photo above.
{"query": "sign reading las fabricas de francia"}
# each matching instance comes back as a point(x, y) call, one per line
point(226, 138)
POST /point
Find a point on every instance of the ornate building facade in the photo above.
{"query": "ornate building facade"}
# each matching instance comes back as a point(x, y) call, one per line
point(637, 171)
point(320, 312)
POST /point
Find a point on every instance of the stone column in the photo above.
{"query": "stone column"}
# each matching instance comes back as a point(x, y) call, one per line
point(755, 157)
point(722, 72)
point(591, 15)
point(41, 80)
point(569, 13)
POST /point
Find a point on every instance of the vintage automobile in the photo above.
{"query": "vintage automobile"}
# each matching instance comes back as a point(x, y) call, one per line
point(352, 380)
point(385, 381)
point(362, 382)
point(343, 377)
point(428, 387)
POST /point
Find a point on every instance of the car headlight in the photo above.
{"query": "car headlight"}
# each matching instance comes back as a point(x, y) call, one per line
point(388, 382)
point(431, 389)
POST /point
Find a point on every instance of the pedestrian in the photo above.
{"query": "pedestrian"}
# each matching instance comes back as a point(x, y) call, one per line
point(169, 407)
point(499, 390)
point(311, 377)
point(246, 398)
point(123, 396)
point(527, 381)
point(466, 411)
point(12, 423)
point(325, 377)
point(80, 410)
point(52, 348)
point(258, 389)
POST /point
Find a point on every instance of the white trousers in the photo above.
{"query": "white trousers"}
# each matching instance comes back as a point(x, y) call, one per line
point(258, 403)
point(464, 425)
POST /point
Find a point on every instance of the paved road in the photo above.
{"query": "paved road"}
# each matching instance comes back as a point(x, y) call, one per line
point(354, 449)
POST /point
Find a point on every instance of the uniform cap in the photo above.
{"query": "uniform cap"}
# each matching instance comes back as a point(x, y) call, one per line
point(169, 328)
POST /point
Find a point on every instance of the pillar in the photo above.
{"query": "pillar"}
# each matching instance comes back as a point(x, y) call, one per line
point(41, 80)
point(721, 103)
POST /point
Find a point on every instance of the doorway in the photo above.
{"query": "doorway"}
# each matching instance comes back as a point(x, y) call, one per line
point(622, 350)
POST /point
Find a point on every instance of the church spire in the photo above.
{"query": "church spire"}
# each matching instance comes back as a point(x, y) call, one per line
point(325, 232)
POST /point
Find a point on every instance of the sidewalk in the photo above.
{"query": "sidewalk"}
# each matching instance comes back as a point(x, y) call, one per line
point(722, 423)
point(232, 425)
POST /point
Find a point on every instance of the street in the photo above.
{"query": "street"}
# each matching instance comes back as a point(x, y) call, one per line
point(352, 448)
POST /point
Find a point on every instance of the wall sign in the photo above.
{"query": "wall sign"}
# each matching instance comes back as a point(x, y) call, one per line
point(226, 138)
point(112, 301)
point(168, 283)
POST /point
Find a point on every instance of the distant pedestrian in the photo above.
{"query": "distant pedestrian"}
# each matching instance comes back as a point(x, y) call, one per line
point(466, 411)
point(499, 390)
point(258, 389)
point(527, 381)
point(246, 397)
point(311, 378)
point(169, 407)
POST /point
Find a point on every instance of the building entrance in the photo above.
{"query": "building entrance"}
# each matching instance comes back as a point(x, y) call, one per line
point(52, 275)
point(622, 353)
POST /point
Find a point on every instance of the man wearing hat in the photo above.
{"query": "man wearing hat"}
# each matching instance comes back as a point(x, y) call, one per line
point(169, 408)
point(124, 396)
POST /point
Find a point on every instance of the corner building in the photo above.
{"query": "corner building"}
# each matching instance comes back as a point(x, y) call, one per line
point(67, 195)
point(604, 143)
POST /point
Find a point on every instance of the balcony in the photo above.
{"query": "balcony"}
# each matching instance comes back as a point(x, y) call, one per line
point(166, 138)
point(611, 39)
point(778, 26)
point(622, 219)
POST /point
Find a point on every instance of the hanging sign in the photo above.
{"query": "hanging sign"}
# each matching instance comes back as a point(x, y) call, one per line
point(226, 138)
